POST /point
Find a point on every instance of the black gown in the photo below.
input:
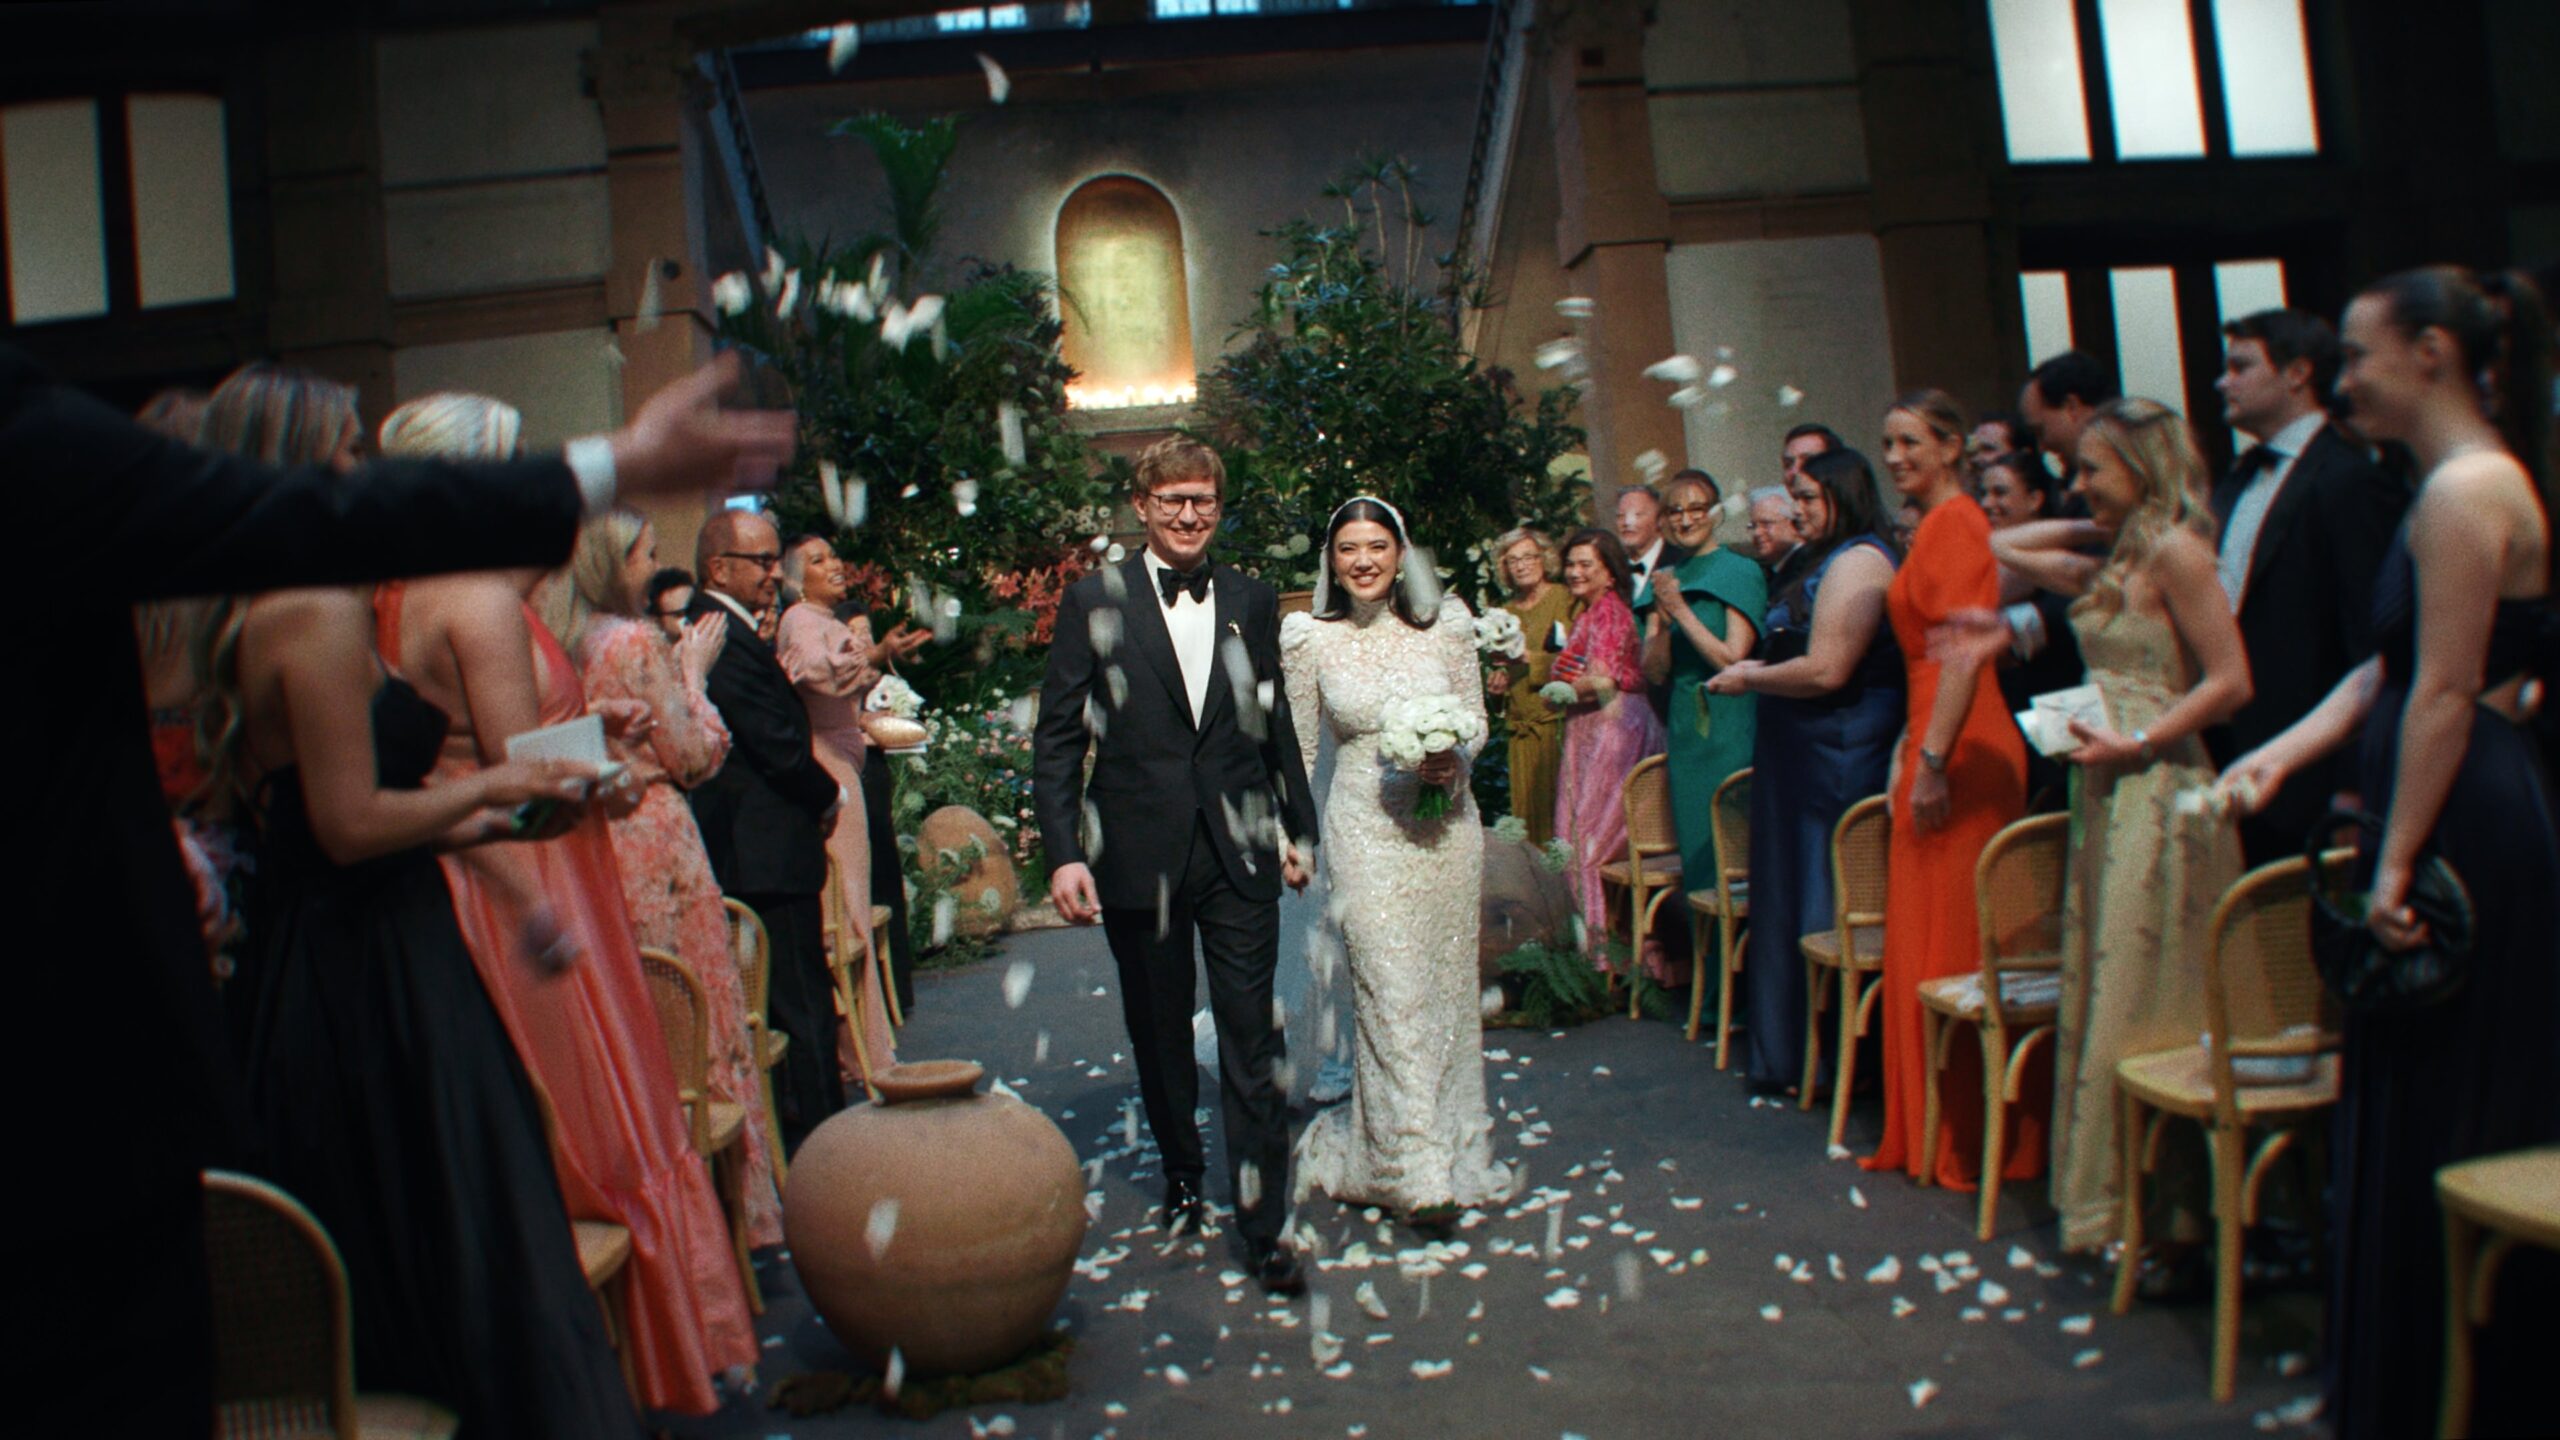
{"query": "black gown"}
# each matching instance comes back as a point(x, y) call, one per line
point(2478, 1074)
point(390, 1101)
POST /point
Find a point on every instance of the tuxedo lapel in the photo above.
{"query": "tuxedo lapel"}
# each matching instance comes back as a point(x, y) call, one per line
point(1226, 591)
point(1149, 637)
point(2286, 512)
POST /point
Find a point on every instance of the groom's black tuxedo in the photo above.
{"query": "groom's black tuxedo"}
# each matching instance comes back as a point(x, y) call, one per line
point(1187, 821)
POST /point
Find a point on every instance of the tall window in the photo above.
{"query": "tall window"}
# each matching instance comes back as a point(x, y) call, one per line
point(1124, 295)
point(163, 160)
point(2159, 342)
point(2149, 62)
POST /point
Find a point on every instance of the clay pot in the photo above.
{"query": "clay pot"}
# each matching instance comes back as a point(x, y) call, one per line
point(1523, 901)
point(989, 1214)
point(991, 891)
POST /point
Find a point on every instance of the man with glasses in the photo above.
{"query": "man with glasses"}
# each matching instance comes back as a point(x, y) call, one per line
point(1166, 668)
point(766, 815)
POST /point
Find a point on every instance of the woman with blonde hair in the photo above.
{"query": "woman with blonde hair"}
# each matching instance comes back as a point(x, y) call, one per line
point(599, 602)
point(577, 1006)
point(1526, 561)
point(2156, 630)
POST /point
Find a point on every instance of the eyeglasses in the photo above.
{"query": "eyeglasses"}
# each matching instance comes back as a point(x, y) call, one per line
point(770, 560)
point(1203, 505)
point(1689, 512)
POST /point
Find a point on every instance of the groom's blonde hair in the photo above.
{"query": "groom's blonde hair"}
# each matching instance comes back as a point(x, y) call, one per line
point(1177, 457)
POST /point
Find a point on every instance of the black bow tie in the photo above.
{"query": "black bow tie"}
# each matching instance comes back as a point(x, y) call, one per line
point(2256, 461)
point(1173, 582)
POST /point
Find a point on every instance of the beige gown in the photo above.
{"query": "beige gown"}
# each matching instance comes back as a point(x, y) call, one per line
point(825, 659)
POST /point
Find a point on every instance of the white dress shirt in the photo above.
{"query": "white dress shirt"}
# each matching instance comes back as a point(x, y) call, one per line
point(2249, 511)
point(748, 619)
point(1651, 557)
point(1194, 627)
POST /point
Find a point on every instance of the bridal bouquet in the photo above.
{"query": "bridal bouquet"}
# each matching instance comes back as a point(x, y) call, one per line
point(893, 696)
point(1423, 725)
point(1498, 635)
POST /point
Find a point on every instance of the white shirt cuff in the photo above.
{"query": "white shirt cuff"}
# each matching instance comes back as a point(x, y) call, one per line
point(590, 458)
point(2027, 635)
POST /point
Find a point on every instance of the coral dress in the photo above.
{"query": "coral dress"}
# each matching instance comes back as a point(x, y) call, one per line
point(591, 1039)
point(1929, 926)
point(1602, 743)
point(825, 659)
point(666, 877)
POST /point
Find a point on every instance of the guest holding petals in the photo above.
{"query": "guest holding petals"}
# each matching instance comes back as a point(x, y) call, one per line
point(1527, 562)
point(1599, 684)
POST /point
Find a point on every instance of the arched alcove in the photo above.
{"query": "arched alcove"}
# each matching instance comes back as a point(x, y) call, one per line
point(1124, 297)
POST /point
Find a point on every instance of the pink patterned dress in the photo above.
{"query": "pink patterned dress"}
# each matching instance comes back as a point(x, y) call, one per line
point(1602, 743)
point(829, 662)
point(675, 904)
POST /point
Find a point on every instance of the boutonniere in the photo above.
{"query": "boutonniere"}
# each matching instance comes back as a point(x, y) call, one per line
point(1235, 629)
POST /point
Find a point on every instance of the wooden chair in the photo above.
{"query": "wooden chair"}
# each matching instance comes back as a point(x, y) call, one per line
point(2516, 1199)
point(880, 917)
point(604, 1252)
point(1650, 873)
point(1727, 903)
point(718, 1127)
point(284, 1360)
point(1852, 949)
point(2267, 1067)
point(850, 953)
point(753, 951)
point(2012, 1001)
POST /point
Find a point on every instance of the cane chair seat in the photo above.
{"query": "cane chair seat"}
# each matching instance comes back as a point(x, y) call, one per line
point(2514, 1200)
point(2032, 999)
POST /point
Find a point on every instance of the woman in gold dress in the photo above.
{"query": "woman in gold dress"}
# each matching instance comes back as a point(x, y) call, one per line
point(1527, 562)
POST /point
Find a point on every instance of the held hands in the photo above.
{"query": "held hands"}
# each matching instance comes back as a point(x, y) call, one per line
point(698, 649)
point(1071, 890)
point(1977, 637)
point(682, 442)
point(2102, 746)
point(1295, 872)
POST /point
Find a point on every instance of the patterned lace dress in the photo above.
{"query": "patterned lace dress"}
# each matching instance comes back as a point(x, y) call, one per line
point(1416, 1132)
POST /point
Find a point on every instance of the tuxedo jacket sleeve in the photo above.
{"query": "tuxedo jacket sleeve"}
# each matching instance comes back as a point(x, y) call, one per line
point(186, 522)
point(1280, 748)
point(1060, 736)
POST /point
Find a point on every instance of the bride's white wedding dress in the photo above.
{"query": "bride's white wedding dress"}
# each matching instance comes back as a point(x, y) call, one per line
point(1404, 898)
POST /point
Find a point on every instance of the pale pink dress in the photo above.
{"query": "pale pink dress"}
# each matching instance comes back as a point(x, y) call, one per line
point(826, 660)
point(675, 904)
point(1602, 744)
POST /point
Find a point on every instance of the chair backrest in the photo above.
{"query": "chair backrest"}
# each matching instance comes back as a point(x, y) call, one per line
point(1647, 798)
point(2263, 994)
point(1729, 823)
point(1860, 845)
point(753, 952)
point(684, 1018)
point(283, 1342)
point(2017, 900)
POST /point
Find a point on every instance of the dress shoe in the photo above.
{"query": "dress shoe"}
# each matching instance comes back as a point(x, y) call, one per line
point(1276, 1267)
point(1185, 1213)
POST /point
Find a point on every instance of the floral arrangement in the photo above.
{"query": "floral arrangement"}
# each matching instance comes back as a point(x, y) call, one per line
point(1418, 726)
point(896, 697)
point(1499, 636)
point(980, 758)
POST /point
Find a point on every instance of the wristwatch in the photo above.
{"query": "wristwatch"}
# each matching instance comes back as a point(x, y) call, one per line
point(1933, 760)
point(2142, 742)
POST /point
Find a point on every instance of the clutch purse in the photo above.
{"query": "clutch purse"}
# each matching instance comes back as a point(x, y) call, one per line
point(892, 732)
point(2364, 974)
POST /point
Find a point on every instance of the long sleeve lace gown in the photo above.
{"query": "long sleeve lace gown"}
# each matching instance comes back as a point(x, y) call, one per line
point(1416, 1133)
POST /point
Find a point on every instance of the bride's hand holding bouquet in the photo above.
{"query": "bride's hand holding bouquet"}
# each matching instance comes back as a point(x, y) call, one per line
point(1423, 733)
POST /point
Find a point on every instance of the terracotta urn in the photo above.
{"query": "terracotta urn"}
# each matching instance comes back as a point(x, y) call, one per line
point(991, 891)
point(1523, 901)
point(937, 1221)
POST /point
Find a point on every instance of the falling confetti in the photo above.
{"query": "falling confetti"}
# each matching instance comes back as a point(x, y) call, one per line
point(2078, 1325)
point(1176, 1376)
point(1557, 354)
point(1366, 1297)
point(1885, 1271)
point(894, 1374)
point(1772, 1314)
point(1009, 431)
point(651, 302)
point(1923, 1391)
point(882, 1226)
point(730, 294)
point(842, 41)
point(1902, 1307)
point(790, 296)
point(1630, 1277)
point(999, 84)
point(1678, 370)
point(1017, 987)
point(1721, 376)
point(1993, 1293)
point(1574, 307)
point(1432, 1369)
point(1564, 1297)
point(1652, 466)
point(1857, 1197)
point(1688, 397)
point(2087, 1358)
point(1789, 397)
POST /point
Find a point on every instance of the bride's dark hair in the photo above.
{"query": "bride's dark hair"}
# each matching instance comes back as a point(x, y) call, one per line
point(1399, 595)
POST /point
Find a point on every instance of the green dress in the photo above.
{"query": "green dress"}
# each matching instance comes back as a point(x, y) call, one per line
point(1710, 735)
point(1537, 728)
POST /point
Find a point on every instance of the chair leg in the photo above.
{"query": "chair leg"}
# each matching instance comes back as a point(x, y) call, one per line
point(2129, 1181)
point(879, 963)
point(1635, 944)
point(1813, 998)
point(1995, 1125)
point(1697, 973)
point(1935, 1031)
point(2461, 1251)
point(2230, 1167)
point(730, 1169)
point(1848, 1074)
point(1731, 947)
point(772, 1123)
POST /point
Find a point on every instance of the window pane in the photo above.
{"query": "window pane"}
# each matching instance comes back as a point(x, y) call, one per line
point(2147, 355)
point(2047, 294)
point(2245, 287)
point(2036, 45)
point(181, 198)
point(2266, 77)
point(2151, 78)
point(1180, 9)
point(57, 228)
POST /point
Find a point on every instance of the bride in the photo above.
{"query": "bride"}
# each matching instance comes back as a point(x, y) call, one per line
point(1415, 1137)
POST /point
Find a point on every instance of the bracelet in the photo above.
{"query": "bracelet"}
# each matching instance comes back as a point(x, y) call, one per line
point(1936, 762)
point(2142, 743)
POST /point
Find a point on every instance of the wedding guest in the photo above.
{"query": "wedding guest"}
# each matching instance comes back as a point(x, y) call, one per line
point(879, 797)
point(829, 663)
point(551, 932)
point(666, 878)
point(1960, 775)
point(1830, 687)
point(1706, 615)
point(1801, 444)
point(766, 816)
point(2043, 653)
point(1526, 561)
point(168, 631)
point(122, 1272)
point(1640, 532)
point(2143, 877)
point(1599, 683)
point(1998, 433)
point(2305, 519)
point(2456, 365)
point(669, 594)
point(2059, 397)
point(1772, 527)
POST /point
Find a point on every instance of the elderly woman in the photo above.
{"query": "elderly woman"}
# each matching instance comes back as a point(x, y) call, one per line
point(1527, 562)
point(1599, 680)
point(1706, 615)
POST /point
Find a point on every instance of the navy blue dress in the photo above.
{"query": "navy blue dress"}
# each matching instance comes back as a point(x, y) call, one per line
point(2478, 1074)
point(390, 1101)
point(1811, 760)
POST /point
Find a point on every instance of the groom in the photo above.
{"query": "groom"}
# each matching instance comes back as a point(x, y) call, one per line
point(1167, 667)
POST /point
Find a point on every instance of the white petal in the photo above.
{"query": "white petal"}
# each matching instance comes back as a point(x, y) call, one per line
point(773, 269)
point(1721, 376)
point(842, 41)
point(1790, 397)
point(651, 302)
point(1652, 465)
point(1574, 307)
point(790, 295)
point(830, 491)
point(1679, 369)
point(1923, 1391)
point(999, 85)
point(1017, 983)
point(1009, 431)
point(730, 295)
point(882, 1227)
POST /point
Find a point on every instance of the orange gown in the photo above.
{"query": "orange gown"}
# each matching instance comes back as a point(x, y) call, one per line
point(1930, 927)
point(592, 1041)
